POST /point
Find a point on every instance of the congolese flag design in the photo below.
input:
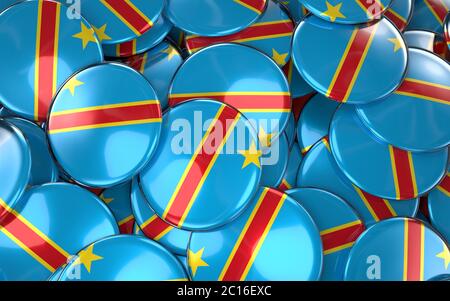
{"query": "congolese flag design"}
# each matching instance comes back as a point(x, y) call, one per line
point(429, 15)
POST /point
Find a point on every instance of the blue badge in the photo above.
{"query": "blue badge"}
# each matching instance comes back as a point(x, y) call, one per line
point(274, 239)
point(314, 121)
point(241, 77)
point(439, 206)
point(296, 9)
point(121, 21)
point(214, 18)
point(141, 44)
point(4, 4)
point(104, 125)
point(290, 175)
point(124, 258)
point(319, 170)
point(416, 116)
point(159, 66)
point(271, 34)
point(43, 168)
point(429, 15)
point(15, 163)
point(391, 172)
point(206, 148)
point(50, 52)
point(339, 227)
point(274, 161)
point(350, 69)
point(347, 12)
point(400, 12)
point(398, 249)
point(298, 86)
point(47, 226)
point(118, 200)
point(153, 227)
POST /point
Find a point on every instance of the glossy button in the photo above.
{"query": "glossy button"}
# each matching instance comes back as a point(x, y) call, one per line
point(121, 21)
point(274, 161)
point(159, 66)
point(118, 200)
point(186, 180)
point(439, 206)
point(319, 170)
point(398, 249)
point(339, 227)
point(214, 18)
point(348, 69)
point(241, 77)
point(153, 227)
point(400, 12)
point(271, 34)
point(15, 163)
point(314, 121)
point(274, 239)
point(39, 56)
point(391, 172)
point(416, 116)
point(43, 168)
point(298, 86)
point(52, 221)
point(290, 175)
point(347, 12)
point(148, 40)
point(104, 125)
point(429, 15)
point(124, 258)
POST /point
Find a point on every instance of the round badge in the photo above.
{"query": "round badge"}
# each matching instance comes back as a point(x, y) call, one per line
point(274, 161)
point(424, 95)
point(339, 227)
point(118, 200)
point(43, 168)
point(242, 77)
point(141, 44)
point(104, 125)
point(319, 170)
point(429, 15)
point(391, 172)
point(206, 146)
point(349, 70)
point(296, 9)
point(347, 12)
point(439, 207)
point(427, 40)
point(159, 66)
point(121, 21)
point(15, 163)
point(48, 225)
point(398, 249)
point(314, 121)
point(298, 86)
point(150, 225)
point(214, 18)
point(271, 34)
point(290, 176)
point(49, 52)
point(274, 239)
point(290, 129)
point(124, 258)
point(400, 12)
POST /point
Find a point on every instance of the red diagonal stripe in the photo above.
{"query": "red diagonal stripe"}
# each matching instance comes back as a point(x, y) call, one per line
point(133, 17)
point(255, 31)
point(252, 236)
point(155, 228)
point(438, 7)
point(126, 48)
point(22, 232)
point(372, 6)
point(127, 227)
point(414, 250)
point(425, 89)
point(445, 184)
point(121, 114)
point(47, 55)
point(341, 237)
point(242, 102)
point(256, 4)
point(404, 173)
point(201, 162)
point(400, 23)
point(378, 206)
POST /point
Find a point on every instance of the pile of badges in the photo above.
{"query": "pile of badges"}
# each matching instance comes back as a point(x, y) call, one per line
point(224, 140)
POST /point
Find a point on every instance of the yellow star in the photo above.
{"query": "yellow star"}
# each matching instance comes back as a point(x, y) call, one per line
point(72, 84)
point(264, 138)
point(105, 199)
point(397, 44)
point(86, 257)
point(251, 156)
point(86, 35)
point(101, 34)
point(171, 52)
point(445, 255)
point(280, 59)
point(333, 12)
point(195, 260)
